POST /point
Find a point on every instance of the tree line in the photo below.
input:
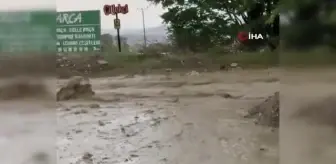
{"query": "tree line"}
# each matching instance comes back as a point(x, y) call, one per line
point(198, 25)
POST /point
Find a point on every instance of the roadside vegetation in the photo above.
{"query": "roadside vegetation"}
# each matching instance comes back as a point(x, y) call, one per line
point(203, 37)
point(202, 34)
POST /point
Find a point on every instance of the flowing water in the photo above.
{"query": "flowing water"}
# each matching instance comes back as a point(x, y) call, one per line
point(180, 119)
point(157, 119)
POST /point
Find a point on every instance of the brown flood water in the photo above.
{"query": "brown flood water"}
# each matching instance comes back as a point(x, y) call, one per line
point(310, 139)
point(181, 120)
point(185, 119)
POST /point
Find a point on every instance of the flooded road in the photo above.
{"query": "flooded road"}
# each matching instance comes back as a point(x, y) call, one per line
point(174, 120)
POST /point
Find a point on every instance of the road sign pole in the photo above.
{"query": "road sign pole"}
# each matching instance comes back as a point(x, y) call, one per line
point(115, 10)
point(118, 35)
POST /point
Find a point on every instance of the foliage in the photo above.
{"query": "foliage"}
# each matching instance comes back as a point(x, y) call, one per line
point(197, 25)
point(312, 24)
point(109, 43)
point(157, 49)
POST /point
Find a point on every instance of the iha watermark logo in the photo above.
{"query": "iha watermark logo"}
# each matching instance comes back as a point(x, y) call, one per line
point(245, 36)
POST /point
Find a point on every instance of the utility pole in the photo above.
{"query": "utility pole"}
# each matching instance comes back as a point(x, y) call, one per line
point(144, 27)
point(144, 24)
point(118, 34)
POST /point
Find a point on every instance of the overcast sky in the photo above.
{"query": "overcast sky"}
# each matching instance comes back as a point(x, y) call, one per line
point(132, 20)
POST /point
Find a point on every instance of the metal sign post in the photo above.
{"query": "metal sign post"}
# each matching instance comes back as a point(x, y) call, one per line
point(117, 27)
point(115, 10)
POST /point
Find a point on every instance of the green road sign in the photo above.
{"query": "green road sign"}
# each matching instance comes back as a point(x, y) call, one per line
point(78, 31)
point(27, 31)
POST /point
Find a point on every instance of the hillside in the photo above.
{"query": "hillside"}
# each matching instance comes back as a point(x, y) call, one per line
point(135, 36)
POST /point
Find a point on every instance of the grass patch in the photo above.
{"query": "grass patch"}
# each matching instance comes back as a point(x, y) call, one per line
point(185, 61)
point(126, 62)
point(313, 58)
point(251, 60)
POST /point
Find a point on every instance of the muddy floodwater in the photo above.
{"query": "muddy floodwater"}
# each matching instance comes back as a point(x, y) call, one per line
point(311, 139)
point(154, 119)
point(27, 132)
point(176, 119)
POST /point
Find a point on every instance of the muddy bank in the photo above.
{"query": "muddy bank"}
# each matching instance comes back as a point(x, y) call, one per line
point(267, 112)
